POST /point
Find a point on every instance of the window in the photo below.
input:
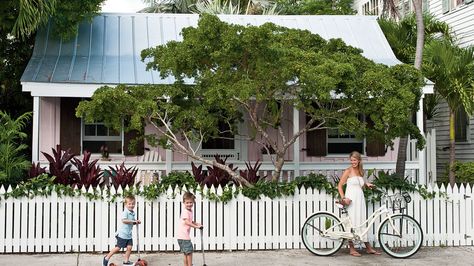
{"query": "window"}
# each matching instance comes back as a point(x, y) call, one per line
point(461, 125)
point(95, 135)
point(225, 140)
point(449, 5)
point(343, 142)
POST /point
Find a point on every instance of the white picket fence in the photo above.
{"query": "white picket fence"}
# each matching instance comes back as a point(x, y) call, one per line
point(53, 224)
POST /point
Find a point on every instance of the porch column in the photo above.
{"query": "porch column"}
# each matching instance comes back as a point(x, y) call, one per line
point(169, 160)
point(35, 137)
point(296, 145)
point(421, 154)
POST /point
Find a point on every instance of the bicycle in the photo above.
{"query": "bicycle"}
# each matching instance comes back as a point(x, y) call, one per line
point(399, 235)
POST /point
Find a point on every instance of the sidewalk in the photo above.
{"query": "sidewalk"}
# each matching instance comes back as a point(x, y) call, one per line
point(426, 256)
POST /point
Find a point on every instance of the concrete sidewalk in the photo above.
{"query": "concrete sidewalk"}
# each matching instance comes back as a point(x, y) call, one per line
point(426, 256)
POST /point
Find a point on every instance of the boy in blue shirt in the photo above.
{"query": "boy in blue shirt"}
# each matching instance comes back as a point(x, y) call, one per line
point(124, 233)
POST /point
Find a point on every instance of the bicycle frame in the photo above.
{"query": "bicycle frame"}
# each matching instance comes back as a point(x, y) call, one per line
point(351, 234)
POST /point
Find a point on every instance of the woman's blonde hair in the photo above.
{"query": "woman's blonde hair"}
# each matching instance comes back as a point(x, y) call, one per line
point(356, 155)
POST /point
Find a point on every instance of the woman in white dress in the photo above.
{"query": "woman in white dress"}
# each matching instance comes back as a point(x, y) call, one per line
point(354, 199)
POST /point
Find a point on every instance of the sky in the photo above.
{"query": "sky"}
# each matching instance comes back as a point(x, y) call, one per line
point(123, 6)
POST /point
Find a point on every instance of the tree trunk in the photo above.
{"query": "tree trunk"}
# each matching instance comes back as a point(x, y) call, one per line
point(420, 40)
point(279, 161)
point(452, 151)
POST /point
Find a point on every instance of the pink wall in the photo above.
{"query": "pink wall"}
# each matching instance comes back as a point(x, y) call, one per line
point(49, 124)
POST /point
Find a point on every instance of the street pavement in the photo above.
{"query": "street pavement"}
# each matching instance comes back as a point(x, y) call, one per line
point(426, 256)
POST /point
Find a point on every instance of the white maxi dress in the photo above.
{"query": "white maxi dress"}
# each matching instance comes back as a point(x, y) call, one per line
point(356, 210)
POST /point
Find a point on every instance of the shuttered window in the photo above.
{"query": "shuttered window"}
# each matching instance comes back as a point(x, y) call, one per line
point(316, 142)
point(461, 125)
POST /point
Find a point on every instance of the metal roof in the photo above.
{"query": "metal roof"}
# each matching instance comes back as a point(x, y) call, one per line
point(107, 50)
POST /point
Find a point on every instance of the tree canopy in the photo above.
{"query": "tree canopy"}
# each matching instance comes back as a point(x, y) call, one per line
point(253, 75)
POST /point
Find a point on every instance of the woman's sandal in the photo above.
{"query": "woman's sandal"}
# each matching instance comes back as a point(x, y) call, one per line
point(374, 252)
point(355, 254)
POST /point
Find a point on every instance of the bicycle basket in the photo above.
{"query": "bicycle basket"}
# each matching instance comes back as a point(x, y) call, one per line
point(398, 201)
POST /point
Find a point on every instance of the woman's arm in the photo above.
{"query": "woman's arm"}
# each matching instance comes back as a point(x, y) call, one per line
point(341, 183)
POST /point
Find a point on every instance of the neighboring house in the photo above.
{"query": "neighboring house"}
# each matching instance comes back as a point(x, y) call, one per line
point(107, 52)
point(459, 15)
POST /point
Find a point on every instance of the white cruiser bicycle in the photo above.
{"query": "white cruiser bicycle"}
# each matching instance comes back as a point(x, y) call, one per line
point(399, 235)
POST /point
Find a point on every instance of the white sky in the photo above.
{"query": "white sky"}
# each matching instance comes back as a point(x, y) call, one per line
point(122, 6)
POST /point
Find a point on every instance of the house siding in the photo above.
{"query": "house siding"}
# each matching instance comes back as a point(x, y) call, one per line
point(49, 127)
point(464, 150)
point(460, 19)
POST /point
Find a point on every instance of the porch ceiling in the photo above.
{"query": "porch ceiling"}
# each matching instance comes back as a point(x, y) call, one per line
point(107, 50)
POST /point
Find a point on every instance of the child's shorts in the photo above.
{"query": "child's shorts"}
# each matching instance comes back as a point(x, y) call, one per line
point(123, 243)
point(185, 246)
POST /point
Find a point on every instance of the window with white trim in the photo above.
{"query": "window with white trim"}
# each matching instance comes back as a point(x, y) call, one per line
point(343, 142)
point(95, 135)
point(448, 5)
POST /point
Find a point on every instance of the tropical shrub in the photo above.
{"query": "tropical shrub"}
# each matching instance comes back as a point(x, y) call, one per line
point(251, 174)
point(60, 167)
point(463, 171)
point(13, 164)
point(214, 176)
point(178, 179)
point(89, 173)
point(122, 176)
point(36, 170)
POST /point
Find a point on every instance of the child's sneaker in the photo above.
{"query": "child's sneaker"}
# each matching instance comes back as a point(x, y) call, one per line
point(127, 263)
point(105, 262)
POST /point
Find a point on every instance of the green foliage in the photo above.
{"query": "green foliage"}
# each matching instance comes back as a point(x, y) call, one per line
point(231, 65)
point(463, 171)
point(316, 181)
point(394, 182)
point(401, 35)
point(177, 179)
point(13, 165)
point(318, 7)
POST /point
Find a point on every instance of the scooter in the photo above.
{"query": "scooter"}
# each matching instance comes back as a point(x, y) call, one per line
point(202, 247)
point(139, 262)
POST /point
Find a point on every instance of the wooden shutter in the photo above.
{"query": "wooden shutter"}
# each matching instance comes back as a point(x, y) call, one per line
point(316, 142)
point(132, 135)
point(70, 126)
point(374, 147)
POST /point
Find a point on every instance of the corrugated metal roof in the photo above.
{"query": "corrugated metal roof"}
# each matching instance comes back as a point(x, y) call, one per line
point(107, 50)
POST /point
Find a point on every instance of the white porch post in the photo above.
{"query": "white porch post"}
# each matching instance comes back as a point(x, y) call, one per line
point(35, 137)
point(421, 154)
point(169, 160)
point(296, 145)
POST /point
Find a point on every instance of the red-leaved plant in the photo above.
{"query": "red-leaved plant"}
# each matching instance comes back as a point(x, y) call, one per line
point(122, 176)
point(36, 170)
point(251, 174)
point(59, 167)
point(89, 172)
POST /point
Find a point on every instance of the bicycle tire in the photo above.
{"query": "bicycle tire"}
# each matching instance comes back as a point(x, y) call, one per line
point(314, 241)
point(407, 243)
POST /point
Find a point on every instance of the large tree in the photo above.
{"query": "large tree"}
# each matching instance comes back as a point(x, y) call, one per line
point(452, 68)
point(251, 75)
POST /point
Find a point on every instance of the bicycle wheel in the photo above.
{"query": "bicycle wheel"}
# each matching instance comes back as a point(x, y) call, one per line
point(400, 237)
point(319, 234)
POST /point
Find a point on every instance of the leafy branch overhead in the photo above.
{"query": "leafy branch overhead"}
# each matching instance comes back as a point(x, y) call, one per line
point(257, 75)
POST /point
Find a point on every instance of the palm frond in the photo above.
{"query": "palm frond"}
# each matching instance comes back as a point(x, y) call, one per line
point(33, 14)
